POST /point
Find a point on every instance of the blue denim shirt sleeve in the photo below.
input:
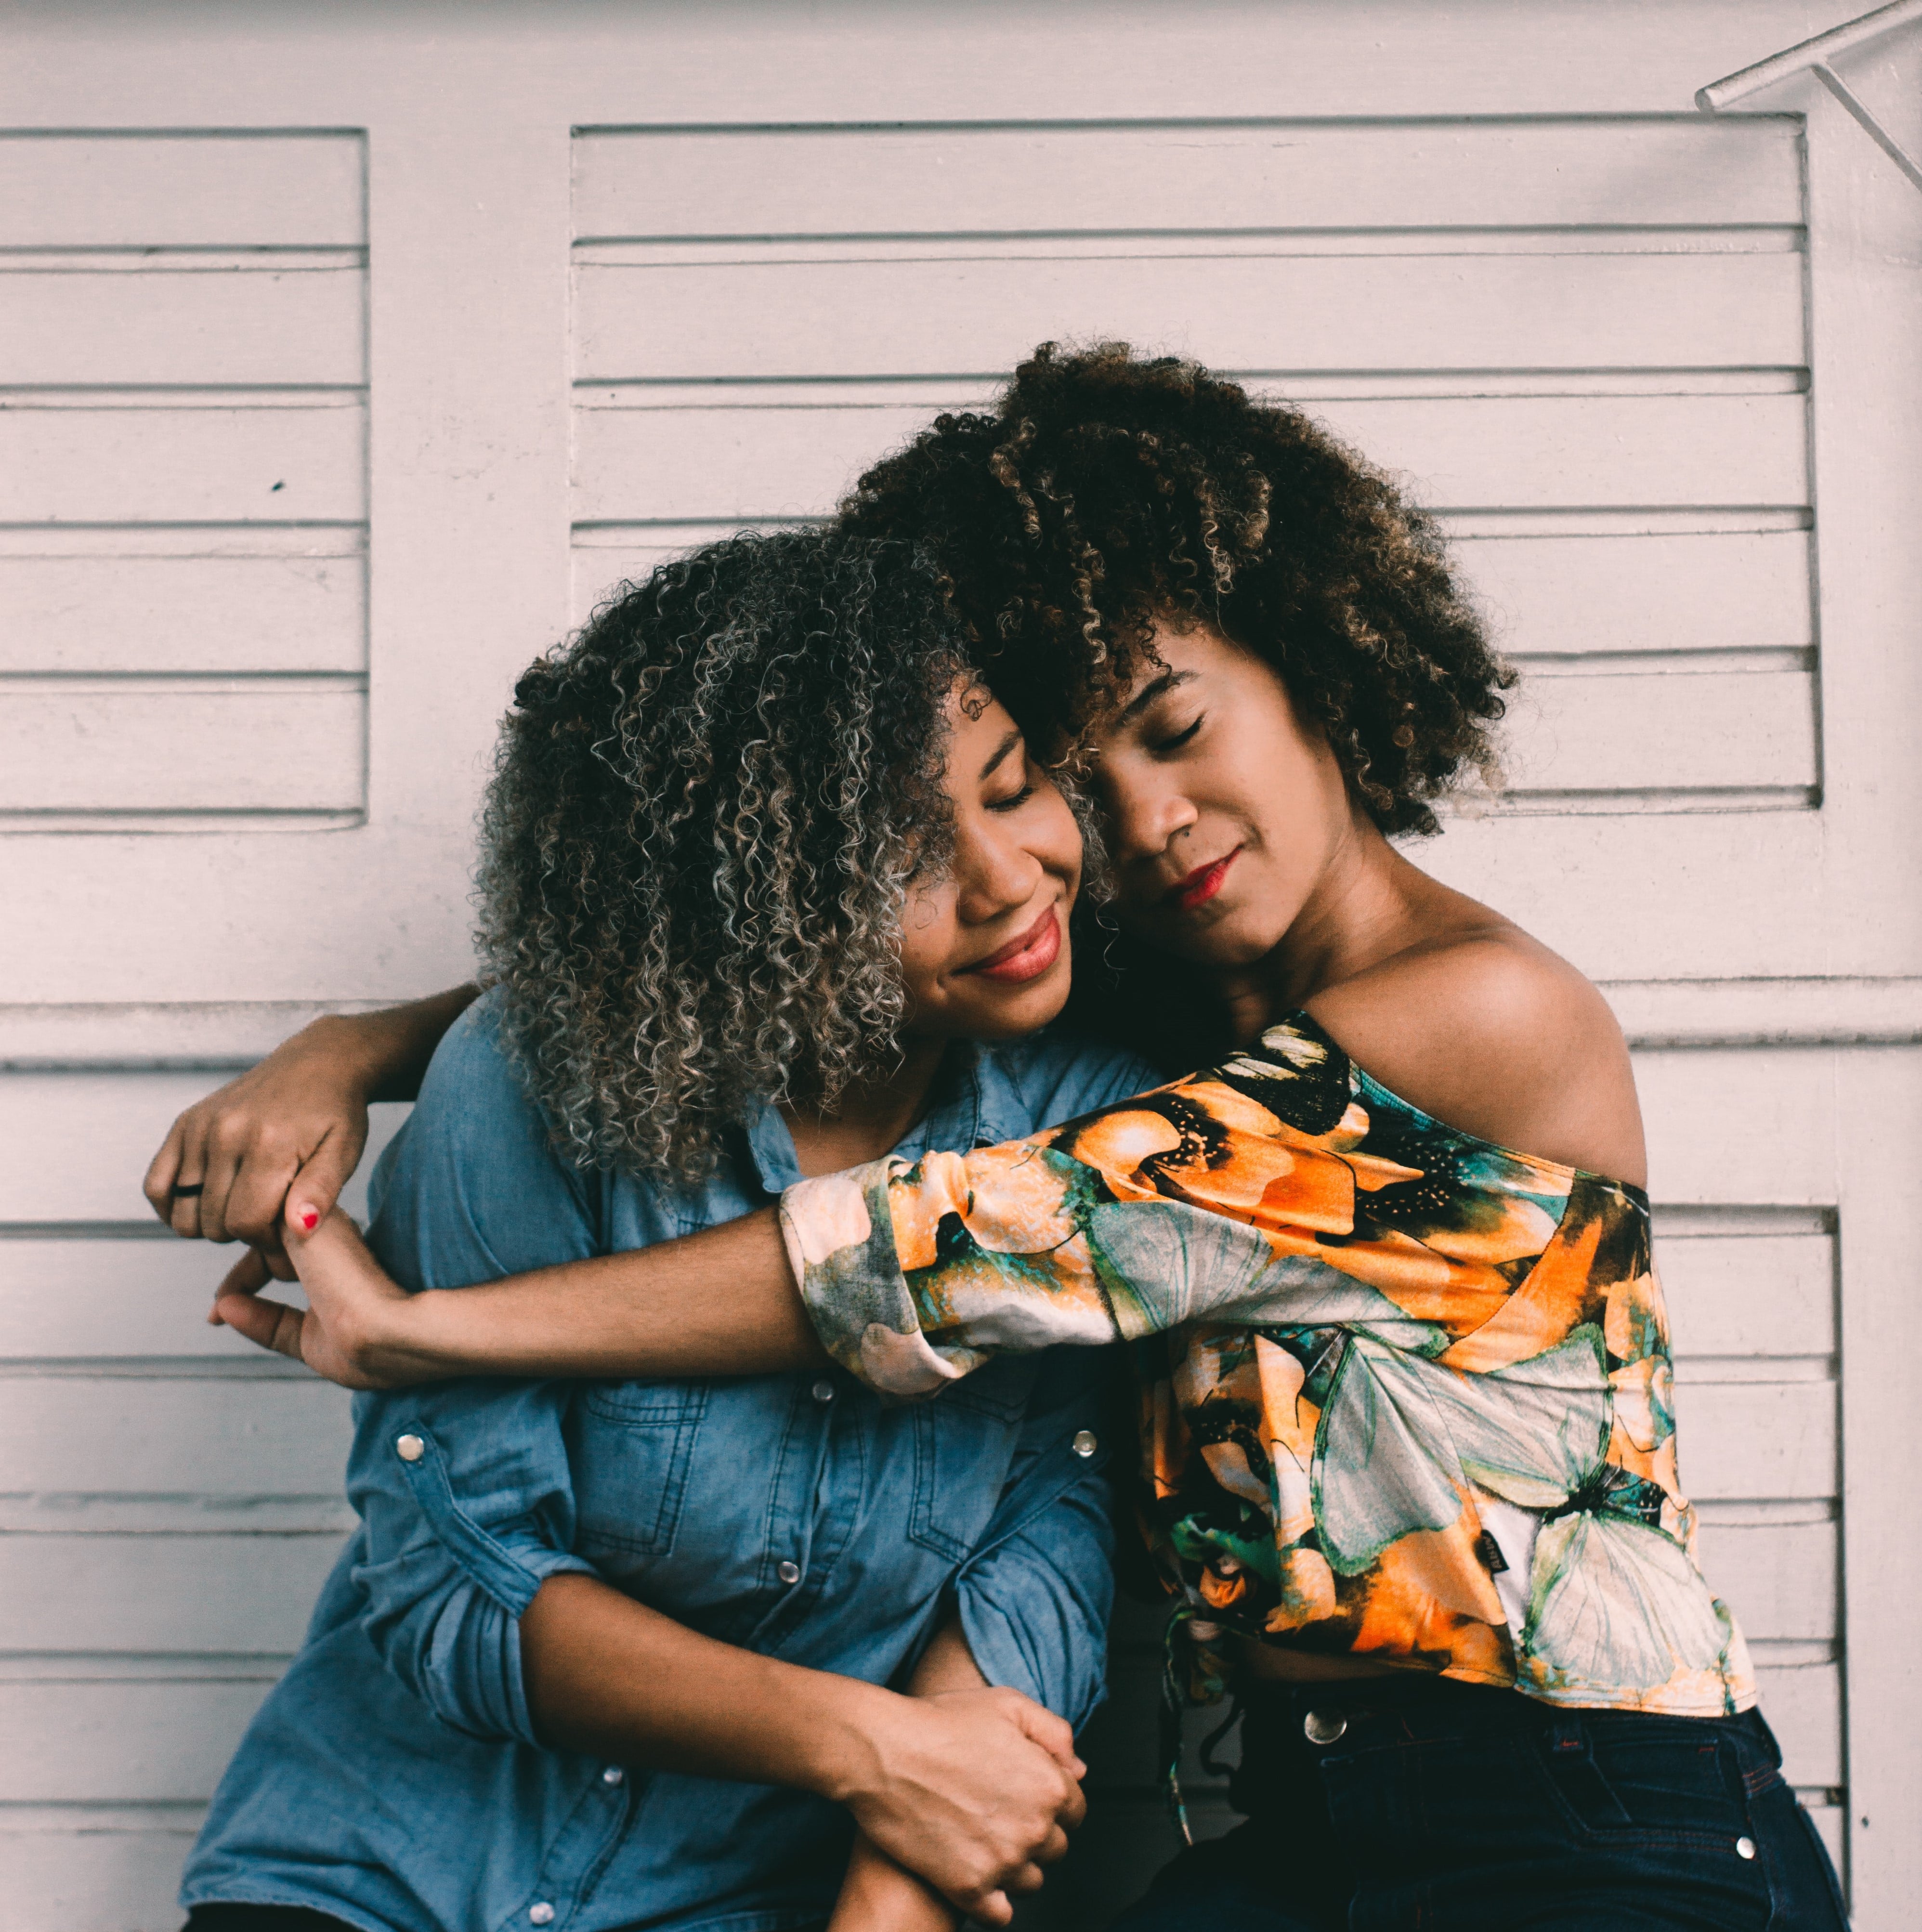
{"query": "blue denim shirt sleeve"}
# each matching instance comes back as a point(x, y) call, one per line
point(464, 1488)
point(1034, 1599)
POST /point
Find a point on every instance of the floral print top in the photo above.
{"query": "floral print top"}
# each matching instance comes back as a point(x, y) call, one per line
point(1409, 1393)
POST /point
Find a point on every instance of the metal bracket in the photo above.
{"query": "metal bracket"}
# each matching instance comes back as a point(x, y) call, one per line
point(1812, 57)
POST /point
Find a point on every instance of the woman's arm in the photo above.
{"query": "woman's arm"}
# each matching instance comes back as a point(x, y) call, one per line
point(721, 1302)
point(288, 1133)
point(971, 1787)
point(876, 1894)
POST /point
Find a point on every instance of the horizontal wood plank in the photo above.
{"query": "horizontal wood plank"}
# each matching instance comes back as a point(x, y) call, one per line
point(120, 1741)
point(1757, 1440)
point(226, 464)
point(180, 1595)
point(720, 459)
point(1196, 177)
point(120, 1879)
point(164, 747)
point(861, 317)
point(1713, 592)
point(104, 191)
point(1803, 1703)
point(1776, 1129)
point(244, 321)
point(280, 1436)
point(67, 1299)
point(110, 613)
point(1743, 1294)
point(1748, 880)
point(1662, 731)
point(1779, 1579)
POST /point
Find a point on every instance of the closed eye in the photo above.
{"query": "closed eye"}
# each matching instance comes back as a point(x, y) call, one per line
point(1180, 738)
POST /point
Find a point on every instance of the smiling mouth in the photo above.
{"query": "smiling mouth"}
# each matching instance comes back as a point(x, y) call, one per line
point(1026, 957)
point(1202, 884)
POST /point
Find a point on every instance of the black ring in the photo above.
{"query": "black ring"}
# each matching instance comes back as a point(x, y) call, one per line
point(180, 1193)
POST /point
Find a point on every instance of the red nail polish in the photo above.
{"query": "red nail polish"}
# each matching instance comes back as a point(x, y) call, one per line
point(309, 1219)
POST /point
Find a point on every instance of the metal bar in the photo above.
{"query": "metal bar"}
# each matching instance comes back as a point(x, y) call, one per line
point(1867, 122)
point(1806, 54)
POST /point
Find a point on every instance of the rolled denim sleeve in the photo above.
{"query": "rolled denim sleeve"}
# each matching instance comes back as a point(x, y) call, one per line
point(464, 1488)
point(1034, 1599)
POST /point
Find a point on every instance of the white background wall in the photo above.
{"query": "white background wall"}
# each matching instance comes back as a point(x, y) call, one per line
point(346, 353)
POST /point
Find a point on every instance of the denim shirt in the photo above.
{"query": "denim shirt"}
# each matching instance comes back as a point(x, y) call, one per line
point(393, 1778)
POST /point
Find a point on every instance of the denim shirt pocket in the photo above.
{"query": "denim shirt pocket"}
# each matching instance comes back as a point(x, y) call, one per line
point(631, 1444)
point(963, 1441)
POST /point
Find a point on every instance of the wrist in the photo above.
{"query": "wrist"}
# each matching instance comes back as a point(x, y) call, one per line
point(348, 1052)
point(840, 1737)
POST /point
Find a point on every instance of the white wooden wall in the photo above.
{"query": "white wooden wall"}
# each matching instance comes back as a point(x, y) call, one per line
point(347, 354)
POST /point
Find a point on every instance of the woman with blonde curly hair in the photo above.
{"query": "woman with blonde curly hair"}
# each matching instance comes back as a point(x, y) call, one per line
point(1409, 1459)
point(770, 883)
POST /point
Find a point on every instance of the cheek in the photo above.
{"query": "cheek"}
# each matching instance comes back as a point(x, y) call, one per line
point(929, 935)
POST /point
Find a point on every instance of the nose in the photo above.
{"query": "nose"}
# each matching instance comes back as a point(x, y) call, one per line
point(1145, 812)
point(995, 874)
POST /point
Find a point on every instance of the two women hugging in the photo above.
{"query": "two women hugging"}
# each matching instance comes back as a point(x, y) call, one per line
point(735, 1540)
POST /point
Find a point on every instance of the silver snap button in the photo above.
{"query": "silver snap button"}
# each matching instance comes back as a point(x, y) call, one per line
point(614, 1774)
point(411, 1449)
point(1745, 1848)
point(822, 1390)
point(1086, 1442)
point(788, 1573)
point(540, 1912)
point(1324, 1727)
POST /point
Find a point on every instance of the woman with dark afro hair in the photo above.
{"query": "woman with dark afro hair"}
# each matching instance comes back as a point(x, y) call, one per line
point(1408, 1464)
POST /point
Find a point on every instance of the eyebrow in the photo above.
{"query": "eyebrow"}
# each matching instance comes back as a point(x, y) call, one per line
point(1169, 680)
point(1001, 750)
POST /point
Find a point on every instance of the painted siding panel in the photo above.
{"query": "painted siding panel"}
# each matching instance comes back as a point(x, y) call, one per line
point(104, 612)
point(714, 456)
point(202, 746)
point(843, 317)
point(221, 462)
point(211, 1594)
point(645, 184)
point(241, 321)
point(185, 190)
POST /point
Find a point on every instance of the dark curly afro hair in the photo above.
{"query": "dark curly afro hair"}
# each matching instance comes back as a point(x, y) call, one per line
point(1109, 492)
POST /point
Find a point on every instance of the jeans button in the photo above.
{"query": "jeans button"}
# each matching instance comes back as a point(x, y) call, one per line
point(1745, 1848)
point(788, 1572)
point(1324, 1727)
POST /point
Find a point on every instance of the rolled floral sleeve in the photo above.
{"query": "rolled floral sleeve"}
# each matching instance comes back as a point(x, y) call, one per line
point(1253, 1192)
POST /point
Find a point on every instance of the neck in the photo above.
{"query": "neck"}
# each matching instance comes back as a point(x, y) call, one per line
point(869, 1117)
point(1361, 909)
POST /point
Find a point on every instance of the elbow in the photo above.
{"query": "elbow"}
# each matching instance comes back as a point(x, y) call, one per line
point(459, 1653)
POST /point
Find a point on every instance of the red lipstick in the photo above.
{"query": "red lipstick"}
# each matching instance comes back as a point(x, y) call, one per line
point(1202, 884)
point(1026, 957)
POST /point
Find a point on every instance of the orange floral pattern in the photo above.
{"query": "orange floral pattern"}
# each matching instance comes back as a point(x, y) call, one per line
point(1406, 1395)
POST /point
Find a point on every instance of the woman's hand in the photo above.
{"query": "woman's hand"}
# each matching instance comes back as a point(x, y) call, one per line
point(359, 1326)
point(285, 1137)
point(974, 1790)
point(225, 1170)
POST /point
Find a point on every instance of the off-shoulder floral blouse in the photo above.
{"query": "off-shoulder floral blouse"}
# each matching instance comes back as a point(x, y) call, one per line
point(1409, 1393)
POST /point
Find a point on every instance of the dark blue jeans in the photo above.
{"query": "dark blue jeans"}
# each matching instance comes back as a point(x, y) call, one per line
point(1435, 1807)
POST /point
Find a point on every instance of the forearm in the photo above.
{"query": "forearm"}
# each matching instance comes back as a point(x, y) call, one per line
point(721, 1302)
point(388, 1050)
point(877, 1895)
point(607, 1675)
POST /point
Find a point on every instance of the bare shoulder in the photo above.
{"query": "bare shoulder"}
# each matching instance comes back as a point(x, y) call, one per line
point(1489, 1031)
